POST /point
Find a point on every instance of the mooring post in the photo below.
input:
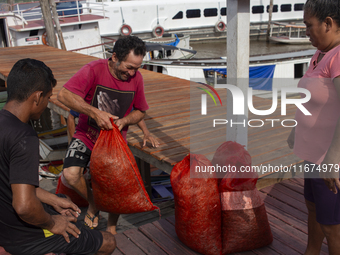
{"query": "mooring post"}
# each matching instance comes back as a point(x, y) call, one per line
point(238, 20)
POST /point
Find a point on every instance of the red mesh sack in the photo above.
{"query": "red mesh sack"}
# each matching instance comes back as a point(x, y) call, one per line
point(116, 182)
point(197, 207)
point(234, 155)
point(64, 188)
point(245, 224)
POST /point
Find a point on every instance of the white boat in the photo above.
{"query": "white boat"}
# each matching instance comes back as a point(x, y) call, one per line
point(288, 33)
point(265, 72)
point(170, 46)
point(202, 18)
point(25, 26)
point(87, 22)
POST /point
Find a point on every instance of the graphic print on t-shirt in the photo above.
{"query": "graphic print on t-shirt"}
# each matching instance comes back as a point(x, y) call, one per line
point(113, 101)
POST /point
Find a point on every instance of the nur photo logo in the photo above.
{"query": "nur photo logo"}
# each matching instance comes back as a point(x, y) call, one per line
point(204, 97)
point(242, 103)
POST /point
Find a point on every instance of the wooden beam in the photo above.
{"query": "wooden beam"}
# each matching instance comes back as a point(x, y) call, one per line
point(238, 65)
point(46, 11)
point(270, 13)
point(57, 24)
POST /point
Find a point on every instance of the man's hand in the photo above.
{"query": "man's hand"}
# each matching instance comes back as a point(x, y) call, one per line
point(332, 183)
point(103, 120)
point(151, 139)
point(66, 207)
point(330, 176)
point(62, 226)
point(121, 123)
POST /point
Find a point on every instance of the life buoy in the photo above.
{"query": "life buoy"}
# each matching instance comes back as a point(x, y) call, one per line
point(158, 31)
point(220, 26)
point(125, 30)
point(44, 39)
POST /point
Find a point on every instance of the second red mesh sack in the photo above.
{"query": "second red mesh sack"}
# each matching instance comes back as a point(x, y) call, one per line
point(64, 188)
point(245, 224)
point(116, 182)
point(197, 206)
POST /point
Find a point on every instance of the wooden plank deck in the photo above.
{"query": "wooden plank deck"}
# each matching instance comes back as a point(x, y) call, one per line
point(287, 215)
point(169, 115)
point(168, 120)
point(286, 212)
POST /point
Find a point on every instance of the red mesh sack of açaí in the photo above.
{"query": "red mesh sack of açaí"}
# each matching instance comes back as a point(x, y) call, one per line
point(197, 206)
point(245, 224)
point(116, 182)
point(64, 188)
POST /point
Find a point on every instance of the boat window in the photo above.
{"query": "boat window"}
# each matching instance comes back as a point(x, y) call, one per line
point(3, 40)
point(34, 32)
point(258, 9)
point(300, 69)
point(159, 69)
point(179, 15)
point(298, 7)
point(195, 13)
point(275, 8)
point(224, 11)
point(212, 12)
point(2, 85)
point(286, 8)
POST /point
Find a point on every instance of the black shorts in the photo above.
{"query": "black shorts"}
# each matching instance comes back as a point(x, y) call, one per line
point(327, 204)
point(78, 154)
point(89, 241)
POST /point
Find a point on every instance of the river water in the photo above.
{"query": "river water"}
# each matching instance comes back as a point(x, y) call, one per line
point(257, 47)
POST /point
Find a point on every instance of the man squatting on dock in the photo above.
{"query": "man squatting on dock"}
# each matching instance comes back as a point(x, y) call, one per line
point(99, 91)
point(32, 220)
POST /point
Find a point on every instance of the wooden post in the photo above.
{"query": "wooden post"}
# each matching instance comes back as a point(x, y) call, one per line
point(238, 20)
point(46, 12)
point(57, 24)
point(10, 5)
point(270, 11)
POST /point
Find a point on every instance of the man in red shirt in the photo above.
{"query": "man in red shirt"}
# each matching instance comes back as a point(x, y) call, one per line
point(103, 89)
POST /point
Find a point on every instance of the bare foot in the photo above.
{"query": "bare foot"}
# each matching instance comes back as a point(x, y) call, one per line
point(112, 230)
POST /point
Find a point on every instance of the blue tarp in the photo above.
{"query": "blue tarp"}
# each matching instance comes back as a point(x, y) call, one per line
point(174, 43)
point(260, 77)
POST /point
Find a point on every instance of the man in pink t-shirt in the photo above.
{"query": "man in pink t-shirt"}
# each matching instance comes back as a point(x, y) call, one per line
point(103, 89)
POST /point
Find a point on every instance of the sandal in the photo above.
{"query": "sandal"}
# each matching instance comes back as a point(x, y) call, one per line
point(91, 219)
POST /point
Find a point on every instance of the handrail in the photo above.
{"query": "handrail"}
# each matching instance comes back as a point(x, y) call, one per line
point(95, 45)
point(33, 12)
point(288, 25)
point(15, 15)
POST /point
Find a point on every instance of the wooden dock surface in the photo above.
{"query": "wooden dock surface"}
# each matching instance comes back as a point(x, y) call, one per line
point(168, 118)
point(287, 215)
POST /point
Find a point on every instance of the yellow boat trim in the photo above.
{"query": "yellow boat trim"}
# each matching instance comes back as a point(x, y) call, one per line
point(55, 131)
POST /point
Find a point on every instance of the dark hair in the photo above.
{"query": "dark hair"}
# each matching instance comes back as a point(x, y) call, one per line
point(26, 77)
point(123, 47)
point(321, 9)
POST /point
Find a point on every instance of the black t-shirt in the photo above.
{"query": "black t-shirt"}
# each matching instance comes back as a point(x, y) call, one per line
point(19, 163)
